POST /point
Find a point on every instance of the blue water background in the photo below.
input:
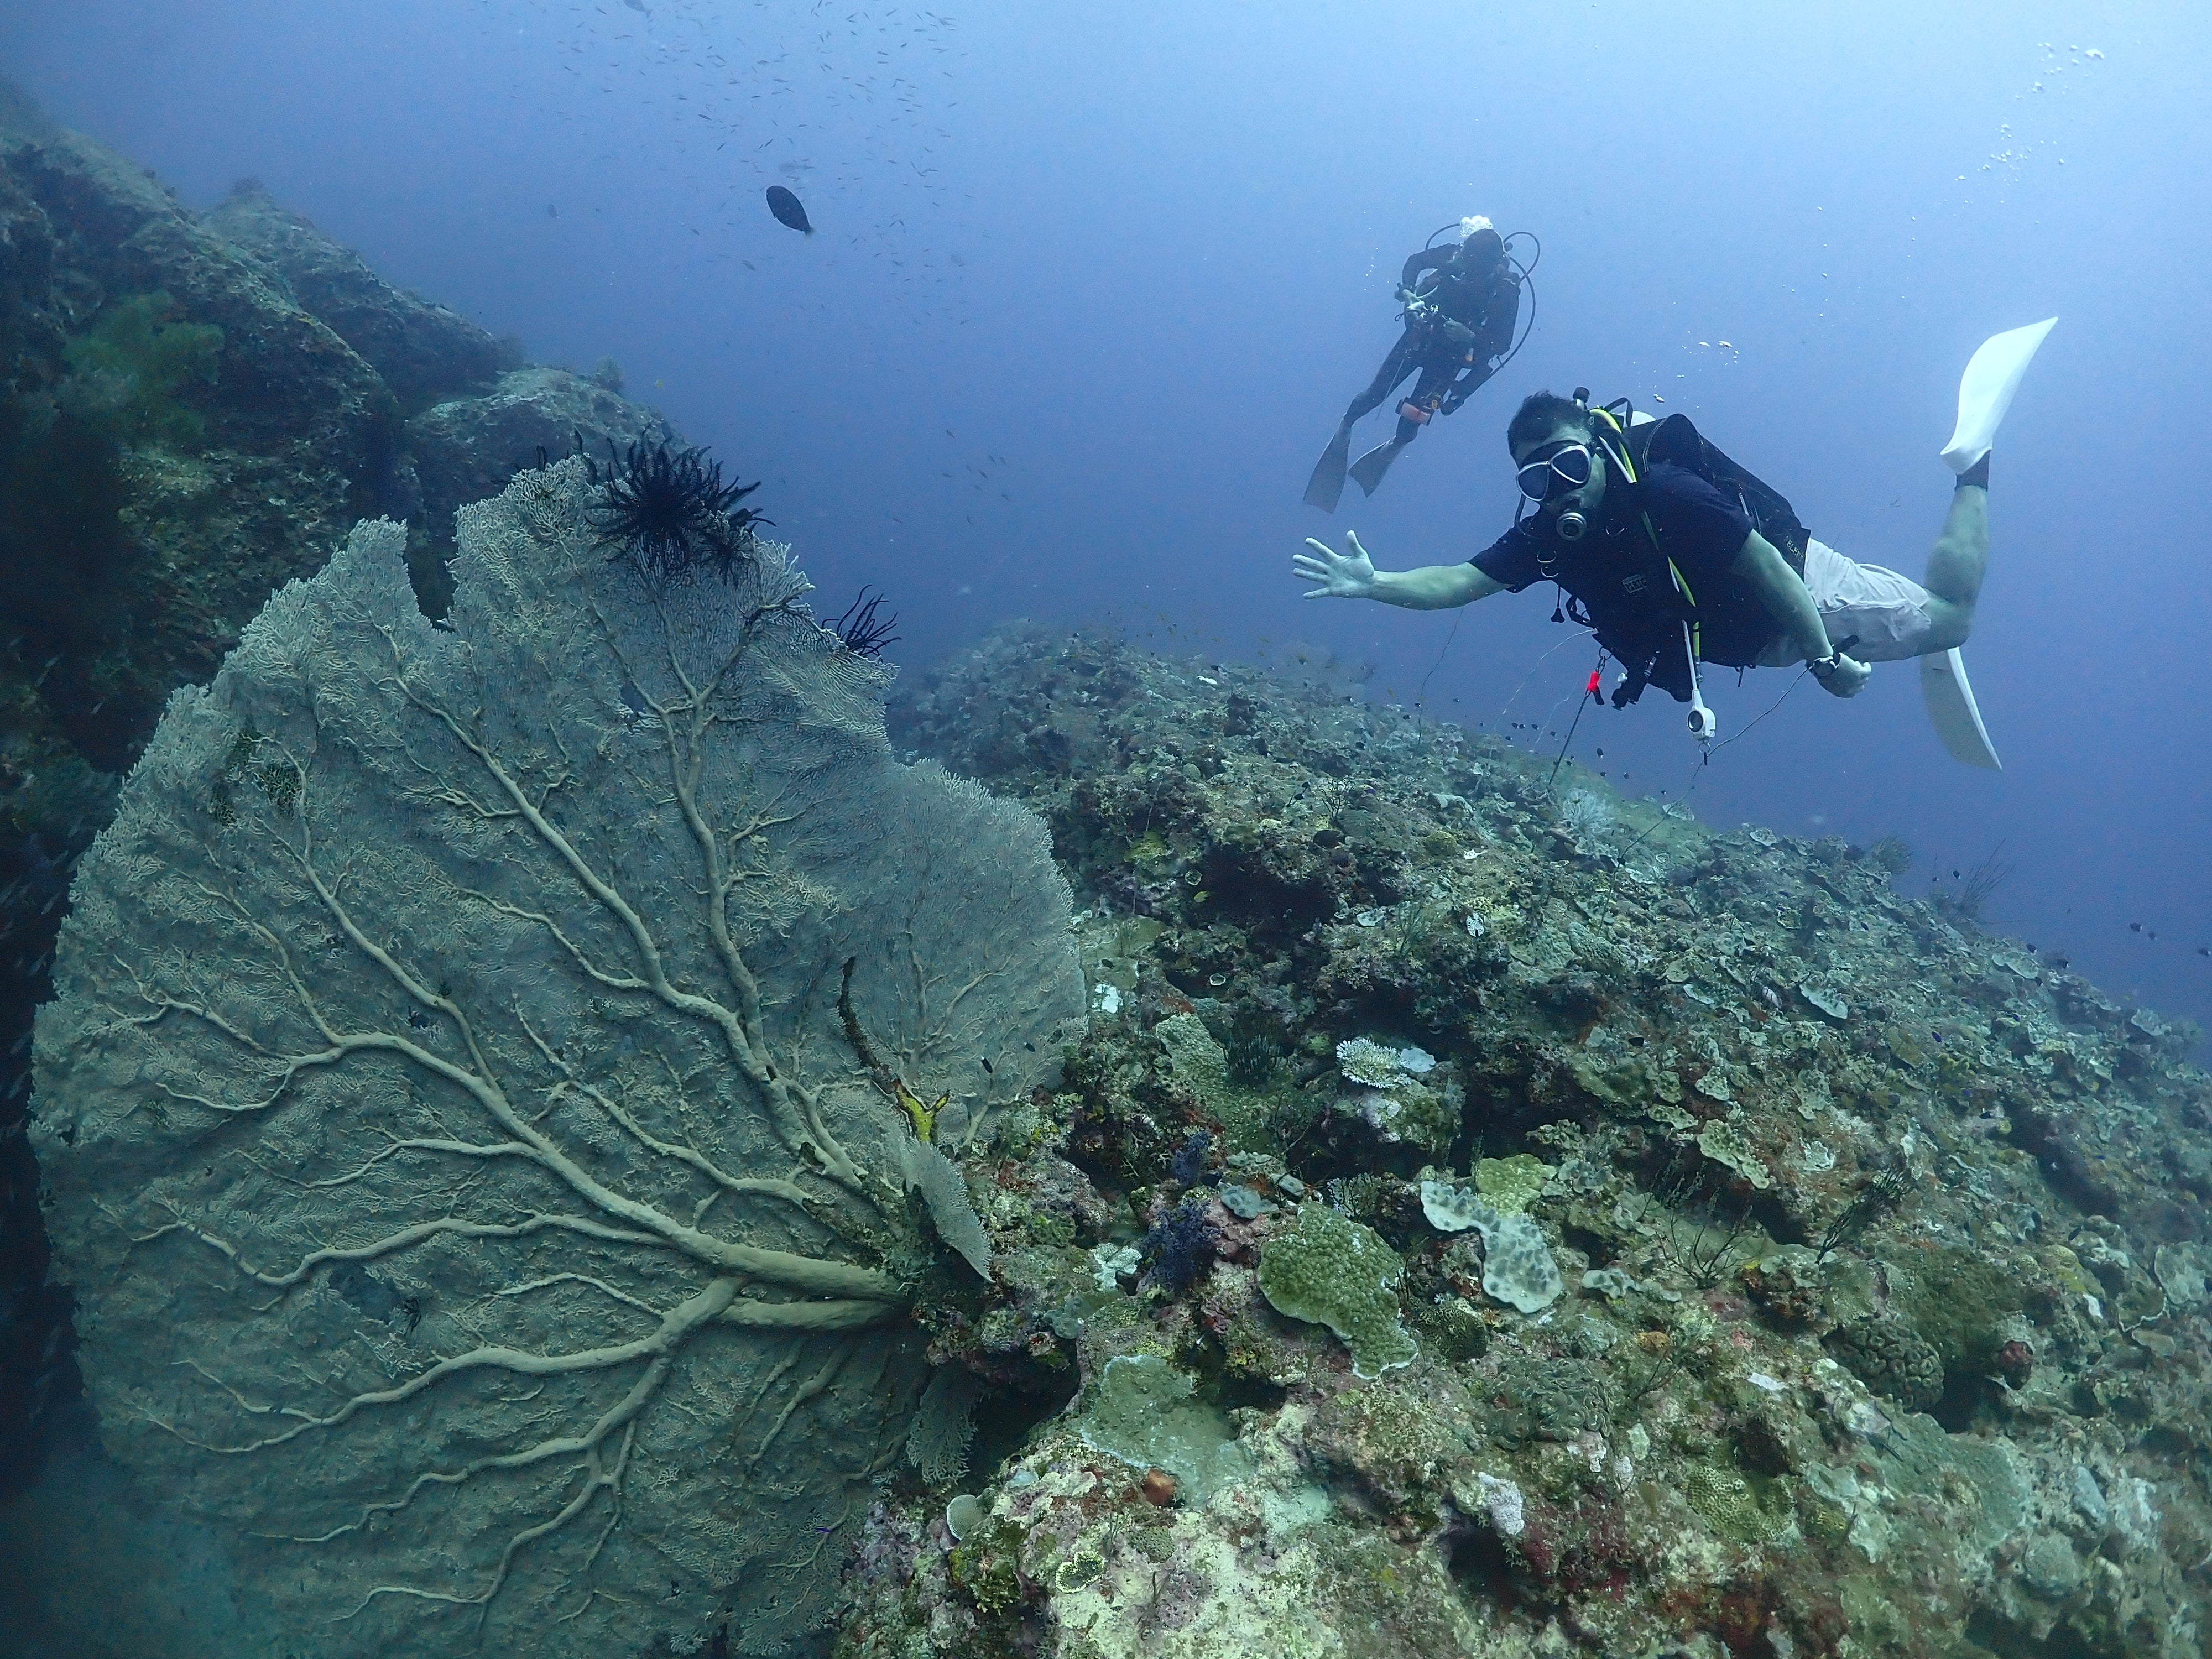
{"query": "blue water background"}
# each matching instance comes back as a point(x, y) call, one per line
point(1130, 261)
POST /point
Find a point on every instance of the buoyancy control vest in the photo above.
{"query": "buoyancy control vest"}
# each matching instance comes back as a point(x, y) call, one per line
point(1639, 602)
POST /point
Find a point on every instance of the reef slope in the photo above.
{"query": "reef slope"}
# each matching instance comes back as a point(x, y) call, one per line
point(1695, 1246)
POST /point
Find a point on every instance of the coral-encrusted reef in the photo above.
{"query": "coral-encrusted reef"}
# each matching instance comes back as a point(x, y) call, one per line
point(421, 350)
point(1490, 1219)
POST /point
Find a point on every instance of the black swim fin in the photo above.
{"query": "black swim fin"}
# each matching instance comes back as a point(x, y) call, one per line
point(1326, 486)
point(1367, 471)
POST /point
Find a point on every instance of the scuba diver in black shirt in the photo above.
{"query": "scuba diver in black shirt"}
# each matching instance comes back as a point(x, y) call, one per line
point(1460, 304)
point(1676, 558)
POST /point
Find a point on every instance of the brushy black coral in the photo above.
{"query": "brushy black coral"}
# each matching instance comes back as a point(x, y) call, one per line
point(669, 514)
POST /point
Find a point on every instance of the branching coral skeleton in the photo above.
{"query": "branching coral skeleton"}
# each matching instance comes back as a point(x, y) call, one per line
point(736, 1283)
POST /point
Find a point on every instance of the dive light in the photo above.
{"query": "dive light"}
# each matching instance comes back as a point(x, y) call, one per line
point(1704, 726)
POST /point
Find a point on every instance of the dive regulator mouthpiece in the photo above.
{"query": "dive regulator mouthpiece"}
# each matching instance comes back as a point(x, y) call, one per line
point(1569, 526)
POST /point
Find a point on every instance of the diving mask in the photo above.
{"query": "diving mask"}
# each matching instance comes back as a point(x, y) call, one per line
point(1568, 465)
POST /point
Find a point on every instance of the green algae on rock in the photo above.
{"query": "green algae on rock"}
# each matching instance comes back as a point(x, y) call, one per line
point(1141, 1410)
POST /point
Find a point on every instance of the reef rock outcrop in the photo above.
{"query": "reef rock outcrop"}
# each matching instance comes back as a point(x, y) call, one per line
point(423, 351)
point(463, 449)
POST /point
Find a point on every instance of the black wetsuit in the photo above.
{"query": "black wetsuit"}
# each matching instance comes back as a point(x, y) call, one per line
point(1619, 585)
point(1484, 301)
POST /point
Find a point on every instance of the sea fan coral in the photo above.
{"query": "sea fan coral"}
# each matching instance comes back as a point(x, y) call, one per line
point(1588, 816)
point(669, 514)
point(568, 964)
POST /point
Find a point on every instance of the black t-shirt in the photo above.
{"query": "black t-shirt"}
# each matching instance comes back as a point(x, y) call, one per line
point(1702, 531)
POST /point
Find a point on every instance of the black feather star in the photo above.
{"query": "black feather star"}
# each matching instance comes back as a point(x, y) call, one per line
point(859, 632)
point(669, 514)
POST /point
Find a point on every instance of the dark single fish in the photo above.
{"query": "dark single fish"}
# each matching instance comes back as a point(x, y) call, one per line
point(552, 212)
point(782, 203)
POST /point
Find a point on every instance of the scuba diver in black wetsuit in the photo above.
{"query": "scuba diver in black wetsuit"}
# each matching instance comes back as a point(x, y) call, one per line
point(1461, 302)
point(1677, 559)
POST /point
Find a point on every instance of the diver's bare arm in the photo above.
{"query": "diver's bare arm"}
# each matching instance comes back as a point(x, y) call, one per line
point(1434, 586)
point(1784, 593)
point(1352, 575)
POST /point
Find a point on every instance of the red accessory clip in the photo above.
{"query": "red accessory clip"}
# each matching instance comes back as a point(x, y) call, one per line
point(1593, 680)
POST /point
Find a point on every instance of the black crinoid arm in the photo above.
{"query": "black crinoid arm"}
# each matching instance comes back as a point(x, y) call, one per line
point(669, 514)
point(861, 631)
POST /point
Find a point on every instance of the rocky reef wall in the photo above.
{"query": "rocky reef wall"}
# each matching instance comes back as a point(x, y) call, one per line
point(194, 409)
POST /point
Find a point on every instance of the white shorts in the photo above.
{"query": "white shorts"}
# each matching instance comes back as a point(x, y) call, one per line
point(1887, 612)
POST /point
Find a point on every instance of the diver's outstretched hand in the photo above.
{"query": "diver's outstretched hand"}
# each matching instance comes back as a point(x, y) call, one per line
point(1335, 575)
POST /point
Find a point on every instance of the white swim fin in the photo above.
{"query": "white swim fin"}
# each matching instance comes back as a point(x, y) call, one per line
point(1985, 391)
point(1950, 699)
